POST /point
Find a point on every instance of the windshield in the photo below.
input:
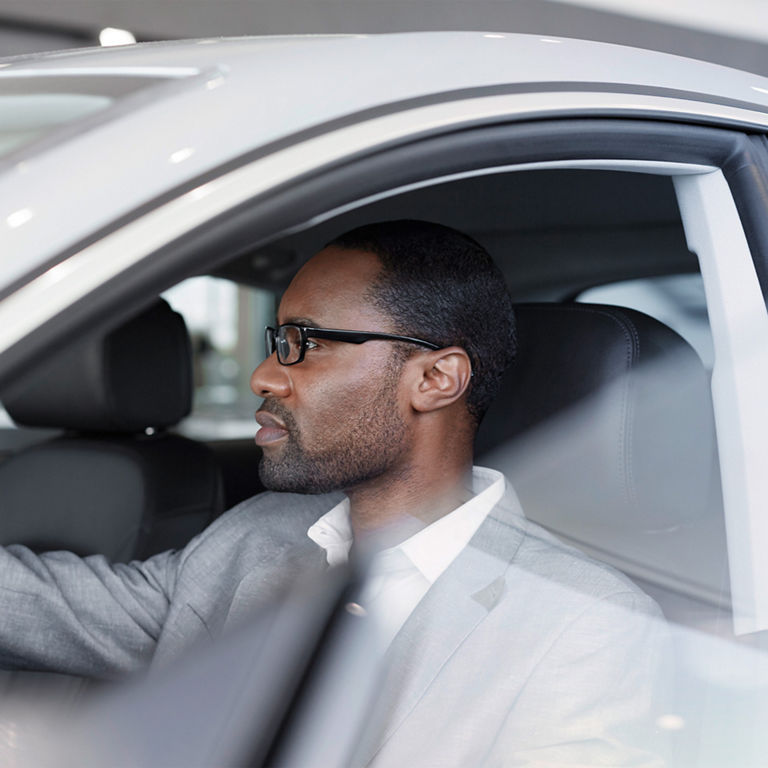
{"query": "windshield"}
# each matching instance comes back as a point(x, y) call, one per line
point(26, 118)
point(32, 104)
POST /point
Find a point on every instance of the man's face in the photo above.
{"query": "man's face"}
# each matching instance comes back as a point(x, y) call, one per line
point(335, 420)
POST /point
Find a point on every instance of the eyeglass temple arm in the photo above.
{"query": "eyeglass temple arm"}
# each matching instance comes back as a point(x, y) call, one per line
point(358, 337)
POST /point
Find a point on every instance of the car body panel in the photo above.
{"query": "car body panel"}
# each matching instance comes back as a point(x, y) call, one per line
point(280, 91)
point(201, 132)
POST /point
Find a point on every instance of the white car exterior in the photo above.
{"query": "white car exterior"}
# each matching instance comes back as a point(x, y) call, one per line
point(110, 157)
point(212, 102)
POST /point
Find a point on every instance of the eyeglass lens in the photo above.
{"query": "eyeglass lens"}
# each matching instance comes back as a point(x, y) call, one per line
point(286, 341)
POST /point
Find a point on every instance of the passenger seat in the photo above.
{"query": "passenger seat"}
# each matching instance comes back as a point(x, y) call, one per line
point(605, 419)
point(605, 429)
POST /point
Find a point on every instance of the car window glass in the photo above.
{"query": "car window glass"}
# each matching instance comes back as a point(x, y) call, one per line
point(33, 107)
point(25, 118)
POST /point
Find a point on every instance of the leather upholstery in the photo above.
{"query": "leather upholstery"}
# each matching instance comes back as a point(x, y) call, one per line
point(136, 376)
point(606, 415)
point(107, 486)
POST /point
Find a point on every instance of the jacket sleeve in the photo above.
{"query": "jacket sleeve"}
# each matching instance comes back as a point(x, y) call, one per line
point(83, 616)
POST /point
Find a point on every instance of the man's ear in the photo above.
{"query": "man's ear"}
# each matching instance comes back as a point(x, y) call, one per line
point(442, 378)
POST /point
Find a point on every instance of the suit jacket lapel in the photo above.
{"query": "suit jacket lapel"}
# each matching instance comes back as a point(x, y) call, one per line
point(266, 580)
point(453, 607)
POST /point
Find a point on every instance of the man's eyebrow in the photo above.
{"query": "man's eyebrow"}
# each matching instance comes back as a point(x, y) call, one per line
point(299, 321)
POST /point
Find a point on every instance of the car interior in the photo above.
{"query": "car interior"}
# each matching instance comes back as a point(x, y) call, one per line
point(604, 423)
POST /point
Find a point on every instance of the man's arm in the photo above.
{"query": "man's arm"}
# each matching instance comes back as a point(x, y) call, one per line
point(83, 616)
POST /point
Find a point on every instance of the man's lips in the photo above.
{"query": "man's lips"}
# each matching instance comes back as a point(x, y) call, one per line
point(272, 429)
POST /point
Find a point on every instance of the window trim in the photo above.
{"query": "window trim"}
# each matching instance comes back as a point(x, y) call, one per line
point(298, 183)
point(714, 230)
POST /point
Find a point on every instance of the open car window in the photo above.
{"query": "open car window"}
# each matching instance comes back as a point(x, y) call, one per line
point(632, 473)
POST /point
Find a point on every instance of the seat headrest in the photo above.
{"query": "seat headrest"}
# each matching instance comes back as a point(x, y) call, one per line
point(136, 376)
point(606, 413)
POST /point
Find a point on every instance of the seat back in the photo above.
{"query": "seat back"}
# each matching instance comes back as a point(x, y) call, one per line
point(117, 482)
point(605, 418)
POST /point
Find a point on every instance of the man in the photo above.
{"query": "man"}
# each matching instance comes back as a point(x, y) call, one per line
point(503, 645)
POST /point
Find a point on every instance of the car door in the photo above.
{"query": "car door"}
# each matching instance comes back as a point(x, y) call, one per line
point(299, 192)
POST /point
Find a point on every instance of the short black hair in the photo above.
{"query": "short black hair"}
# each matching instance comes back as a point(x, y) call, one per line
point(441, 285)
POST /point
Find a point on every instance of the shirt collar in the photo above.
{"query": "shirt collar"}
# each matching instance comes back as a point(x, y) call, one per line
point(333, 532)
point(433, 548)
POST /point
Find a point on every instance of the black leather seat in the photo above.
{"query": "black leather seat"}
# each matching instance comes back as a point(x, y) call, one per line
point(116, 483)
point(605, 417)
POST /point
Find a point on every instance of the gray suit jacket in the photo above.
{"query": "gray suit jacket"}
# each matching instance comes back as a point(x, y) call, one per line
point(523, 652)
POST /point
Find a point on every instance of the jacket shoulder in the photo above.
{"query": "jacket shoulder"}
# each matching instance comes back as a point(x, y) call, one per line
point(268, 521)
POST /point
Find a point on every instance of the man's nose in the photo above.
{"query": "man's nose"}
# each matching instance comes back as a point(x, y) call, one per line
point(271, 379)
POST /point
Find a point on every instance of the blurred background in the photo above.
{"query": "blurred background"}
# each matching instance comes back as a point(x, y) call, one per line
point(734, 33)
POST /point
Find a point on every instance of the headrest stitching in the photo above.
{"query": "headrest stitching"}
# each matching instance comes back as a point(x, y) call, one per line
point(625, 437)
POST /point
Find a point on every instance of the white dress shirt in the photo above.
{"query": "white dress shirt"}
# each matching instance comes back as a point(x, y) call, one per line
point(400, 576)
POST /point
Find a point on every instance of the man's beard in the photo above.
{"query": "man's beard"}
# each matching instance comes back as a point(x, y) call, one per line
point(369, 445)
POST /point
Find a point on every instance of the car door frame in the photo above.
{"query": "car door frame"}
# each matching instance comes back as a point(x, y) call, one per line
point(304, 183)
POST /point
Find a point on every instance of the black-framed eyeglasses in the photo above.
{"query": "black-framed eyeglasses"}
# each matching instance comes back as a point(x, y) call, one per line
point(290, 341)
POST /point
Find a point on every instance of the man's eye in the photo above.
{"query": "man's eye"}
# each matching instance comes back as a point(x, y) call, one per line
point(311, 344)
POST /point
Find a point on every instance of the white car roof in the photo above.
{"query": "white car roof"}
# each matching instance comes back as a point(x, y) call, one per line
point(145, 119)
point(371, 68)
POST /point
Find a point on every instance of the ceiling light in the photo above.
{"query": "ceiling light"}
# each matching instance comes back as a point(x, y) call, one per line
point(110, 36)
